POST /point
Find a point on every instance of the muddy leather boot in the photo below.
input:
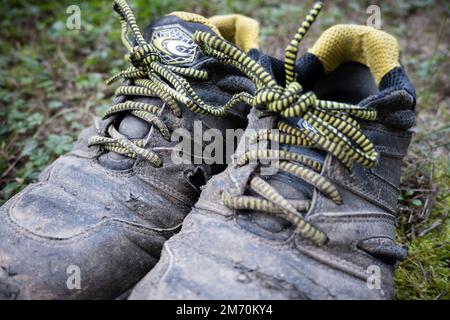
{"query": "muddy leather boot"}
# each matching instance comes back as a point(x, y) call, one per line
point(322, 226)
point(94, 223)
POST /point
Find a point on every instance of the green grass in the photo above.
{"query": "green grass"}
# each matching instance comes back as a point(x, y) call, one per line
point(52, 85)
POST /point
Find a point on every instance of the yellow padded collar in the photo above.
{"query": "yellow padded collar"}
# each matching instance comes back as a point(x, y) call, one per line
point(236, 28)
point(345, 43)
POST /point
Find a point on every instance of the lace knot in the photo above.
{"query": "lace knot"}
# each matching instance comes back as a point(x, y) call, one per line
point(279, 99)
point(143, 55)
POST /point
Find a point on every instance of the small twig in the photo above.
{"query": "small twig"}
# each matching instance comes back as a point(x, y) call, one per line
point(424, 273)
point(11, 142)
point(423, 190)
point(440, 295)
point(433, 226)
point(434, 77)
point(38, 131)
point(63, 58)
point(429, 202)
point(11, 167)
point(440, 145)
point(56, 115)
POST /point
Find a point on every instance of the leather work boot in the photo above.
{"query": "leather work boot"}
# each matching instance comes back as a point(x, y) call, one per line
point(321, 225)
point(94, 223)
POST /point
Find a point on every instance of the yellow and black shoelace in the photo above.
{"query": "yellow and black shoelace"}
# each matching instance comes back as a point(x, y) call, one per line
point(333, 128)
point(150, 77)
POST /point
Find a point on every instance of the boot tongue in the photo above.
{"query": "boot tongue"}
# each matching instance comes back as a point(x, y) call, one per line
point(293, 187)
point(172, 36)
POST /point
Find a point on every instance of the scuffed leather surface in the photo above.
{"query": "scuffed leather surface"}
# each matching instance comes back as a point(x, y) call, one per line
point(218, 254)
point(240, 265)
point(81, 214)
point(109, 223)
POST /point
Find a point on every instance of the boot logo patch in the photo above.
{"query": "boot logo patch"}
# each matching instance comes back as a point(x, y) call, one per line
point(175, 44)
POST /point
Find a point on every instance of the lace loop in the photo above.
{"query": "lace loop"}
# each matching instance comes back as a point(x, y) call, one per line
point(143, 55)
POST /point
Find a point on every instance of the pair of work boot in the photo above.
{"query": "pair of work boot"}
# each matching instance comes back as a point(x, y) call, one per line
point(303, 209)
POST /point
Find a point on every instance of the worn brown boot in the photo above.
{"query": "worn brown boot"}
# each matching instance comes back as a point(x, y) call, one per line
point(95, 221)
point(321, 225)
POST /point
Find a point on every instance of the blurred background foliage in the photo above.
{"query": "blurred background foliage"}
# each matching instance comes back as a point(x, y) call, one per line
point(52, 85)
